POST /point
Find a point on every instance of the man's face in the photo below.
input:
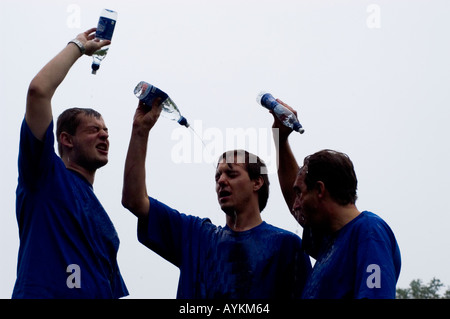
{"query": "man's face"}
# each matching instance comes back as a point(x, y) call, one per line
point(305, 205)
point(91, 143)
point(234, 187)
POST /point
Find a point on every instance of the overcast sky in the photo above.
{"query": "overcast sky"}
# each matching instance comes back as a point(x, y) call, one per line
point(368, 78)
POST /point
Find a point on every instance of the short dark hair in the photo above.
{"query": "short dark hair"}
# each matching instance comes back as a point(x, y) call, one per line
point(69, 120)
point(336, 171)
point(255, 168)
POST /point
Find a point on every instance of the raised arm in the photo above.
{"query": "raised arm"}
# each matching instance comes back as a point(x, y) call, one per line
point(38, 113)
point(134, 192)
point(286, 162)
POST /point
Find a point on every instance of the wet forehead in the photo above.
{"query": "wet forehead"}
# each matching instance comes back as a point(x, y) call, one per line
point(232, 160)
point(300, 179)
point(224, 165)
point(87, 120)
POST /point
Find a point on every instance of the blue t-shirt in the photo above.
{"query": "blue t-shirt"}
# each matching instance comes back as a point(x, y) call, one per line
point(68, 244)
point(218, 263)
point(361, 260)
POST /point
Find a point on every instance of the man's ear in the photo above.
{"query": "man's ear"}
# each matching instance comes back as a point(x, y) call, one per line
point(66, 140)
point(258, 183)
point(320, 187)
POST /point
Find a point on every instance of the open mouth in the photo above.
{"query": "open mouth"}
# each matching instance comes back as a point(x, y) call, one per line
point(224, 194)
point(103, 148)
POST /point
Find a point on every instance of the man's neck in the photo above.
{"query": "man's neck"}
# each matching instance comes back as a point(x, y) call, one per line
point(88, 175)
point(342, 215)
point(240, 222)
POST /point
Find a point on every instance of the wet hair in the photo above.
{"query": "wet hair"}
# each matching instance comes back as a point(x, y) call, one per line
point(336, 171)
point(68, 121)
point(255, 168)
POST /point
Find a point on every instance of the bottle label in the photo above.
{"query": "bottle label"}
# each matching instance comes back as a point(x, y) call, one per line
point(105, 28)
point(150, 93)
point(268, 101)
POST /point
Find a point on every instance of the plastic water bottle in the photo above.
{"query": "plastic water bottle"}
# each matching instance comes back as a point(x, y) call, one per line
point(147, 93)
point(105, 30)
point(284, 114)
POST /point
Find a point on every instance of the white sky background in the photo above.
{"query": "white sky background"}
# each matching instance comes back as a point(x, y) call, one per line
point(377, 90)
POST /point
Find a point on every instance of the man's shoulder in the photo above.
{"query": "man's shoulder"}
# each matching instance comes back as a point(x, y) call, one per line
point(369, 220)
point(160, 207)
point(280, 232)
point(276, 228)
point(370, 226)
point(26, 132)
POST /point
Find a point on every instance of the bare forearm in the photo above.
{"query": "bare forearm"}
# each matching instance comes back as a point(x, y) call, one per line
point(287, 171)
point(287, 165)
point(134, 194)
point(43, 86)
point(53, 73)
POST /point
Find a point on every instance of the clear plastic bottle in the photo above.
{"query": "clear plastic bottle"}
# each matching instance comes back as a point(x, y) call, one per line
point(105, 30)
point(147, 93)
point(284, 114)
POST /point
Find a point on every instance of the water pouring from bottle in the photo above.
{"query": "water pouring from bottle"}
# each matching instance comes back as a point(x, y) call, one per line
point(147, 93)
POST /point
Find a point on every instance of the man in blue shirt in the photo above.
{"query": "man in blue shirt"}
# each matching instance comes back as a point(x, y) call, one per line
point(356, 253)
point(68, 244)
point(247, 258)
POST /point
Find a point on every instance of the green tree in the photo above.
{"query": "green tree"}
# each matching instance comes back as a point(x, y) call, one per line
point(418, 290)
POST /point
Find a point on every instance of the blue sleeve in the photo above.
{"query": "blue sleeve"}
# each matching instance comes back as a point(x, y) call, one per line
point(166, 231)
point(35, 157)
point(378, 264)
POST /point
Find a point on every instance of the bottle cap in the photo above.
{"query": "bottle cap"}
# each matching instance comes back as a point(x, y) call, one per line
point(183, 121)
point(298, 127)
point(95, 67)
point(259, 97)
